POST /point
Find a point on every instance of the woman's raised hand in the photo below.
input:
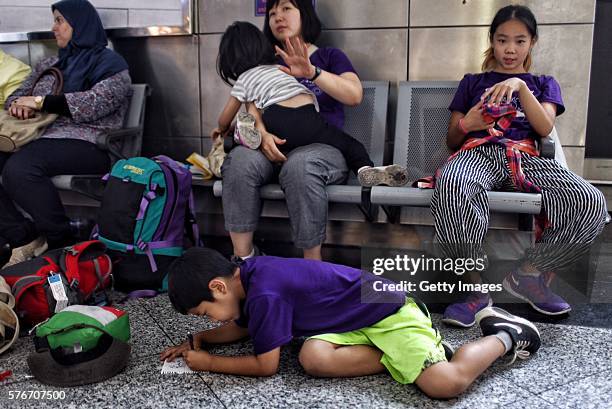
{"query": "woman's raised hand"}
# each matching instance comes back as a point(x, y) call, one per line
point(501, 90)
point(295, 56)
point(269, 149)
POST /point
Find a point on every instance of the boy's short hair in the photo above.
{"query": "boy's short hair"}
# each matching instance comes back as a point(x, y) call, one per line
point(190, 274)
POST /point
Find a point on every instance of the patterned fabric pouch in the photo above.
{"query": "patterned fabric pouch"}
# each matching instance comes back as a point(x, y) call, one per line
point(9, 323)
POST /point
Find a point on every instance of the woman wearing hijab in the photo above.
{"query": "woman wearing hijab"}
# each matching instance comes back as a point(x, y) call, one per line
point(94, 100)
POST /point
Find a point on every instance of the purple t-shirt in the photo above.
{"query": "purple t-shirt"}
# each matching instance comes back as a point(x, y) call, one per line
point(545, 88)
point(335, 61)
point(288, 298)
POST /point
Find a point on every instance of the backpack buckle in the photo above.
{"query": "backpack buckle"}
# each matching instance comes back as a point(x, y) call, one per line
point(71, 250)
point(74, 284)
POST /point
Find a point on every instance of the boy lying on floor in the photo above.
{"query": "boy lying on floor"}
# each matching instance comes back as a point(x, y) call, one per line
point(273, 299)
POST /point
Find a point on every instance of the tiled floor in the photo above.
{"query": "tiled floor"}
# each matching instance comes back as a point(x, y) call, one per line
point(572, 370)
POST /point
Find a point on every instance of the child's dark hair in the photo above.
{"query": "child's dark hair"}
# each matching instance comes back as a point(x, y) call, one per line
point(190, 274)
point(311, 25)
point(512, 12)
point(243, 46)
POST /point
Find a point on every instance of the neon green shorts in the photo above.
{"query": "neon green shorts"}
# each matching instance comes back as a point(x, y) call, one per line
point(407, 340)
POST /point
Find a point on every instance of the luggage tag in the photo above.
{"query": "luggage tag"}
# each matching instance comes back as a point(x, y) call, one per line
point(59, 292)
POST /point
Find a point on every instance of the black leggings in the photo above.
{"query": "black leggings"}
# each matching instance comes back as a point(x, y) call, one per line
point(304, 125)
point(26, 181)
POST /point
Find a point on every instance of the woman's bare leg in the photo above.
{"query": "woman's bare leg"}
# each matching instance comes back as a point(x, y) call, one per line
point(313, 253)
point(243, 243)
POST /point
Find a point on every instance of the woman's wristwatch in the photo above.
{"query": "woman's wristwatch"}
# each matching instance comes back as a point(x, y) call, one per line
point(316, 74)
point(39, 101)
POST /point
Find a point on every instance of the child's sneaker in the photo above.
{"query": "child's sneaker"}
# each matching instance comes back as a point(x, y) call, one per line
point(463, 314)
point(391, 175)
point(536, 292)
point(525, 336)
point(245, 133)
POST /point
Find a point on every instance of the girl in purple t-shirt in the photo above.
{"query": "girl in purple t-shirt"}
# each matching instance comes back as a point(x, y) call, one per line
point(574, 212)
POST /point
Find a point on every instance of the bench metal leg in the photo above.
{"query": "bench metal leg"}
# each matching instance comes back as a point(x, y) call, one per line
point(393, 213)
point(369, 210)
point(525, 222)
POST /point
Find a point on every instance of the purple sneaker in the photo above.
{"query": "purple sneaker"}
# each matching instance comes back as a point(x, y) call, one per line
point(536, 292)
point(463, 314)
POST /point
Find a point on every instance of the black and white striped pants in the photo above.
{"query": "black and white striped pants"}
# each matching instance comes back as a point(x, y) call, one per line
point(576, 211)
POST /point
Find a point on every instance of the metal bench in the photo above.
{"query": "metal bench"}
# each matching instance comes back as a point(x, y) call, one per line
point(420, 145)
point(122, 143)
point(366, 123)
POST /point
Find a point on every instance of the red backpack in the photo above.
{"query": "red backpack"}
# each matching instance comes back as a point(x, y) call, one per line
point(73, 275)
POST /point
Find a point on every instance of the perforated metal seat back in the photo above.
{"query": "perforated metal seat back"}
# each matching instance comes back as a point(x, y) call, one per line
point(367, 122)
point(422, 125)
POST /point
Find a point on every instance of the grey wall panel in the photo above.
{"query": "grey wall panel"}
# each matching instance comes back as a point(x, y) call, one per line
point(170, 66)
point(214, 92)
point(41, 19)
point(216, 15)
point(176, 148)
point(481, 12)
point(445, 53)
point(575, 159)
point(17, 50)
point(557, 54)
point(554, 55)
point(375, 54)
point(146, 18)
point(112, 18)
point(38, 19)
point(363, 13)
point(139, 4)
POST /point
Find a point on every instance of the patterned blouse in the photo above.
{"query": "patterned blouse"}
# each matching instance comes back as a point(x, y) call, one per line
point(95, 111)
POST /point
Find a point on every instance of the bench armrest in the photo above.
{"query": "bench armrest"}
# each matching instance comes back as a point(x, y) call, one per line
point(546, 147)
point(112, 141)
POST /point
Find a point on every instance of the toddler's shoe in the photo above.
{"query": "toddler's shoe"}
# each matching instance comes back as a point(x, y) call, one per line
point(525, 336)
point(245, 133)
point(535, 290)
point(391, 175)
point(28, 251)
point(463, 314)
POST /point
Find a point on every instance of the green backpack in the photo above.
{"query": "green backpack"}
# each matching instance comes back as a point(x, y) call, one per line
point(146, 213)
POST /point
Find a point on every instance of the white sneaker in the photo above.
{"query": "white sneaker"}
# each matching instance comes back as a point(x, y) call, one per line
point(28, 251)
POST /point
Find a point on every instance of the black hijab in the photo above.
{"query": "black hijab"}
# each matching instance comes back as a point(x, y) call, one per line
point(85, 61)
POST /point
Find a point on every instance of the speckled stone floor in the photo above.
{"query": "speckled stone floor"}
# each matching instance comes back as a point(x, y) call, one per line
point(573, 369)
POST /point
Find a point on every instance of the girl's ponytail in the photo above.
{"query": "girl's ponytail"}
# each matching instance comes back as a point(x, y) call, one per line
point(489, 60)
